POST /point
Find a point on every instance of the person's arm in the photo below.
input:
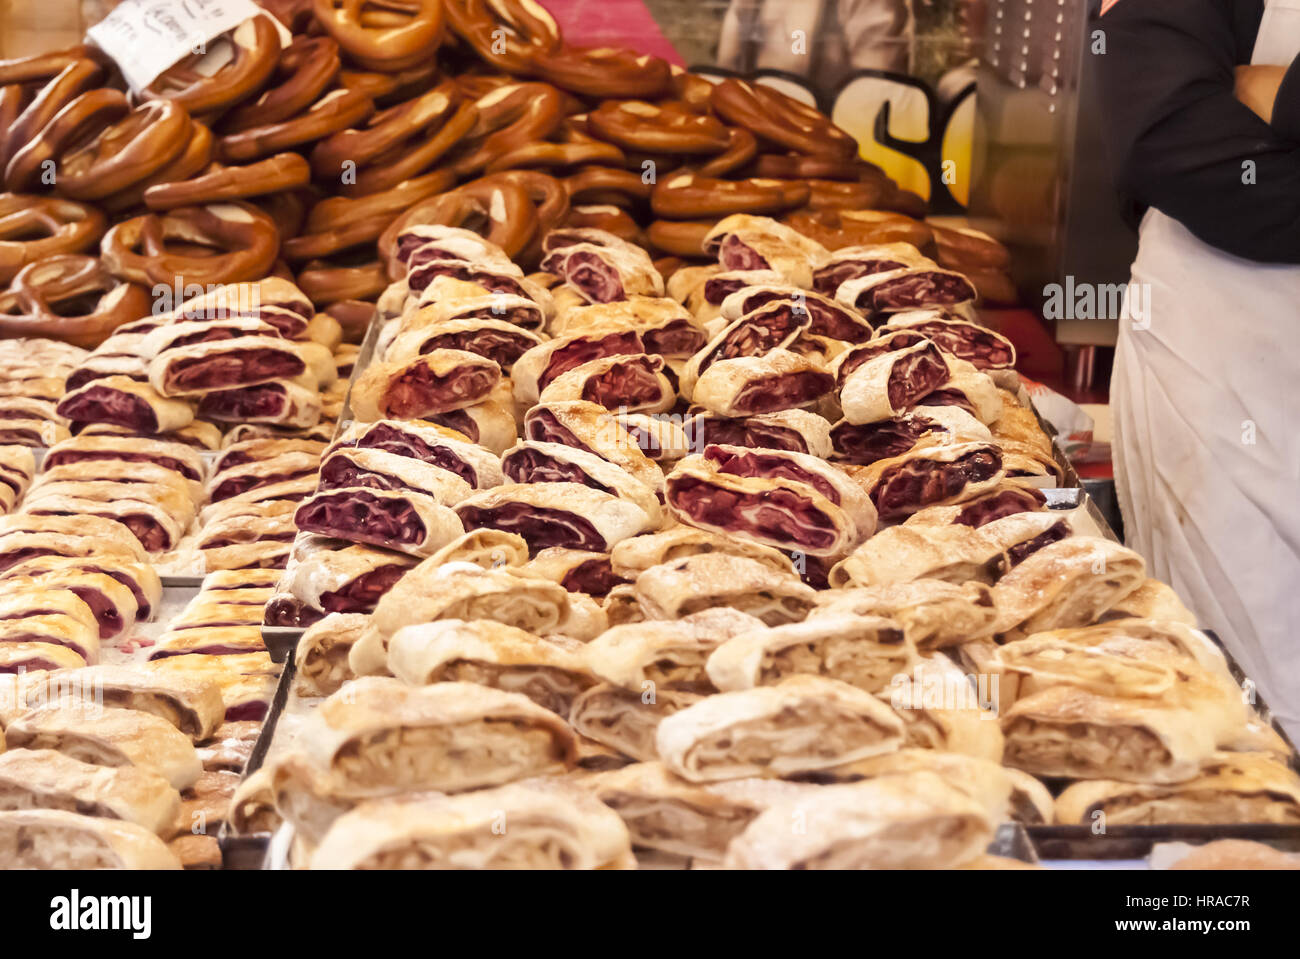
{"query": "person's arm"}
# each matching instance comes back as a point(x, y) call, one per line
point(1182, 141)
point(1286, 105)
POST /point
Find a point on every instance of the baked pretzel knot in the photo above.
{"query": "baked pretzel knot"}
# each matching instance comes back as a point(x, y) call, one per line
point(70, 297)
point(33, 228)
point(507, 34)
point(776, 118)
point(219, 243)
point(383, 35)
point(251, 51)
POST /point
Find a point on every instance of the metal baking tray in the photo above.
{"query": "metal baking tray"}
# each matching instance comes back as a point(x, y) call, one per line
point(1012, 841)
point(249, 852)
point(1072, 842)
point(1065, 843)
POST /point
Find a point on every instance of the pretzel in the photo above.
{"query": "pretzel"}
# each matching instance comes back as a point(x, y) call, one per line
point(305, 69)
point(253, 47)
point(340, 223)
point(691, 89)
point(354, 316)
point(777, 118)
point(389, 36)
point(284, 171)
point(507, 34)
point(789, 166)
point(835, 229)
point(741, 148)
point(335, 239)
point(551, 202)
point(141, 143)
point(43, 66)
point(91, 111)
point(288, 210)
point(683, 238)
point(605, 185)
point(556, 156)
point(606, 73)
point(658, 128)
point(967, 249)
point(296, 15)
point(61, 89)
point(385, 131)
point(220, 243)
point(193, 160)
point(498, 209)
point(608, 218)
point(337, 110)
point(403, 162)
point(905, 202)
point(474, 86)
point(388, 88)
point(688, 196)
point(509, 117)
point(548, 194)
point(835, 195)
point(33, 228)
point(326, 283)
point(13, 98)
point(71, 297)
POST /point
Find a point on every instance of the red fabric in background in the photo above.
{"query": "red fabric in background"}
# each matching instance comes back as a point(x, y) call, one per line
point(1037, 354)
point(612, 23)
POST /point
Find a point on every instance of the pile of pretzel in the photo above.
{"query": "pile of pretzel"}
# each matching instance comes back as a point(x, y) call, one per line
point(293, 160)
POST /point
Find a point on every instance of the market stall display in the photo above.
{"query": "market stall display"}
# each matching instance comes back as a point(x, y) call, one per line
point(613, 448)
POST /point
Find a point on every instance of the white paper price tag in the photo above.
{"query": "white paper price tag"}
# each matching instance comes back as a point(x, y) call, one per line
point(145, 37)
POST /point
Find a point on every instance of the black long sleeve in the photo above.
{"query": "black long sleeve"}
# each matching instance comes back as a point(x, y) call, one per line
point(1179, 138)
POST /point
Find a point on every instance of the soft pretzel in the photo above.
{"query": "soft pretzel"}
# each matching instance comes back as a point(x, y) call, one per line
point(50, 293)
point(658, 128)
point(304, 71)
point(284, 171)
point(389, 88)
point(140, 143)
point(793, 166)
point(687, 196)
point(193, 160)
point(411, 159)
point(605, 72)
point(42, 66)
point(246, 238)
point(74, 78)
point(326, 283)
point(60, 226)
point(509, 117)
point(383, 36)
point(505, 33)
point(88, 113)
point(496, 208)
point(338, 223)
point(606, 185)
point(835, 229)
point(253, 48)
point(741, 148)
point(777, 118)
point(335, 111)
point(683, 238)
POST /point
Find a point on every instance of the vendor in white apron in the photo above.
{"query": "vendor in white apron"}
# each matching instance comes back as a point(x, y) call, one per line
point(1206, 389)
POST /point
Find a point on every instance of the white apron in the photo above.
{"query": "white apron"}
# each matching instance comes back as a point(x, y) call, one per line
point(1206, 400)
